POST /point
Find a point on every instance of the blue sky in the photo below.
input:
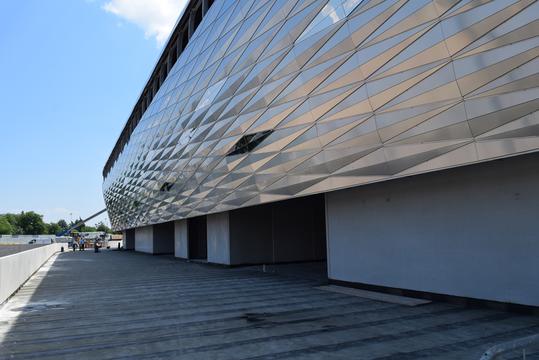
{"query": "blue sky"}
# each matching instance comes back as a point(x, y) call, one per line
point(71, 71)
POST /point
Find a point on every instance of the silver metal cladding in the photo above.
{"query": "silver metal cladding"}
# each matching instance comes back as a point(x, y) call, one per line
point(284, 98)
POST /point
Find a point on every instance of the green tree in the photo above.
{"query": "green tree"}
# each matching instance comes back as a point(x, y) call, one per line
point(53, 229)
point(87, 229)
point(13, 220)
point(63, 224)
point(102, 227)
point(5, 226)
point(31, 223)
point(73, 223)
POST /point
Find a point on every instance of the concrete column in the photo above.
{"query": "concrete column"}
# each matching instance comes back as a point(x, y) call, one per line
point(218, 236)
point(144, 239)
point(181, 243)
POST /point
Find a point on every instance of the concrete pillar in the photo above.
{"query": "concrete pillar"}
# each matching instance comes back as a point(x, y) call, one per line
point(144, 239)
point(181, 249)
point(218, 235)
point(155, 239)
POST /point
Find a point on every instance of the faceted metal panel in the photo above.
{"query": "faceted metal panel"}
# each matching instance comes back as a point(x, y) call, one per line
point(345, 92)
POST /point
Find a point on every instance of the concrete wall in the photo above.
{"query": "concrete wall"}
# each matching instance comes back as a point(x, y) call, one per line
point(469, 232)
point(156, 239)
point(218, 238)
point(163, 238)
point(17, 268)
point(180, 239)
point(144, 239)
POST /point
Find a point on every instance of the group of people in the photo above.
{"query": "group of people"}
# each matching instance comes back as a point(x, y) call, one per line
point(80, 244)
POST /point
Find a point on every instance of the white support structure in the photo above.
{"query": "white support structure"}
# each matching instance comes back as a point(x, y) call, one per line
point(16, 268)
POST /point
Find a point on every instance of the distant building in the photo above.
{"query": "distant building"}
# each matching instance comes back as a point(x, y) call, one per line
point(94, 235)
point(396, 139)
point(115, 241)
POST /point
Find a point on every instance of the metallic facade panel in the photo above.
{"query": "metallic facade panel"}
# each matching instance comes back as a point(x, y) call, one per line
point(347, 92)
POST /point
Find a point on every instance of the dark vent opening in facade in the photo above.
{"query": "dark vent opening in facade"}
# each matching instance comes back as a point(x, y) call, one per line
point(249, 142)
point(166, 186)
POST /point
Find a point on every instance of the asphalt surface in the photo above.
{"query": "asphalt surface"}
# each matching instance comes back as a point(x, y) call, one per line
point(126, 305)
point(13, 249)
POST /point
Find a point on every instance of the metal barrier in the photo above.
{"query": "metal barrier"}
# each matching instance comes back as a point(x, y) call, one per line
point(523, 344)
point(37, 239)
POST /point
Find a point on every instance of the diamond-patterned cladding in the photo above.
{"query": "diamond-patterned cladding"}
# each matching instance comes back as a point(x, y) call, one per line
point(349, 91)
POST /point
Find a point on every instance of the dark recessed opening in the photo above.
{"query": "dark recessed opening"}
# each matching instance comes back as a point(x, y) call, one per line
point(198, 16)
point(185, 38)
point(249, 142)
point(197, 238)
point(173, 56)
point(166, 186)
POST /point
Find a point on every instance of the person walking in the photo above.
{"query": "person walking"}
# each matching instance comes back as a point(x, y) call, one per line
point(96, 246)
point(81, 244)
point(74, 244)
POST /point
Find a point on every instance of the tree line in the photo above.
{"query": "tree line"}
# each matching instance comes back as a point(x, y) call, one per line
point(31, 223)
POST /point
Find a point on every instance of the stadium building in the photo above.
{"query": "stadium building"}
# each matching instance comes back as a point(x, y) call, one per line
point(396, 140)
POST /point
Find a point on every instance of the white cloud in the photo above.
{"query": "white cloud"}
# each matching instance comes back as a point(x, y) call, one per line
point(155, 17)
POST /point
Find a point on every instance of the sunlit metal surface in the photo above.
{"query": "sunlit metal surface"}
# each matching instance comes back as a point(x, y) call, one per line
point(352, 91)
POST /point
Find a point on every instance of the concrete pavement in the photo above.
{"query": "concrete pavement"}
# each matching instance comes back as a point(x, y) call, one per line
point(125, 305)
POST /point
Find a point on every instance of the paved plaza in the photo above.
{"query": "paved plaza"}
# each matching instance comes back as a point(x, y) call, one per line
point(126, 305)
